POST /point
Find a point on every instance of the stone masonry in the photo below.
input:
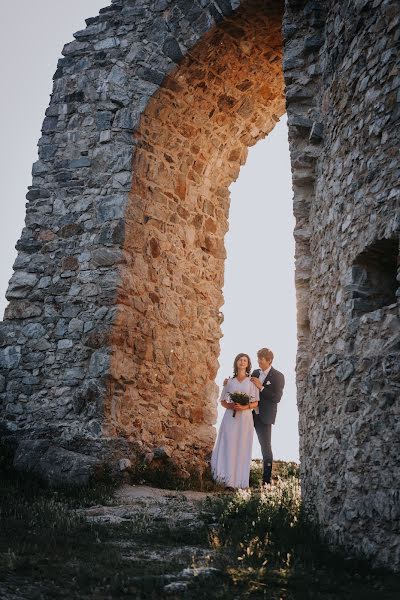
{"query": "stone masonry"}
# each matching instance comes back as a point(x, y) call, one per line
point(344, 141)
point(110, 341)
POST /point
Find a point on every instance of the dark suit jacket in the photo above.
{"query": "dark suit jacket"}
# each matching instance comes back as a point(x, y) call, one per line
point(270, 395)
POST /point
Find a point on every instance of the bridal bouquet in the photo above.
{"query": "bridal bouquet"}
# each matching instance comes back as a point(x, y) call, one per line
point(239, 398)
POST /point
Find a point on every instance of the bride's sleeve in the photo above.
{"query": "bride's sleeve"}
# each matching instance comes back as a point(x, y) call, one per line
point(255, 394)
point(225, 393)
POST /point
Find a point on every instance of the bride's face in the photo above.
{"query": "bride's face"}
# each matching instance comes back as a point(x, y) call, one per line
point(242, 363)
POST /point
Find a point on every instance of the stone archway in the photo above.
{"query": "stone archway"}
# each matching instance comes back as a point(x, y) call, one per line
point(120, 260)
point(226, 94)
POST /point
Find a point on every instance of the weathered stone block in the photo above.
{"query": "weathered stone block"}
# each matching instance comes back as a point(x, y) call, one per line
point(64, 344)
point(10, 357)
point(54, 464)
point(99, 363)
point(106, 257)
point(34, 330)
point(172, 49)
point(79, 163)
point(391, 366)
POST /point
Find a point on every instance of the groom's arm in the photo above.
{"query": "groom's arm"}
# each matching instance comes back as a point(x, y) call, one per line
point(278, 386)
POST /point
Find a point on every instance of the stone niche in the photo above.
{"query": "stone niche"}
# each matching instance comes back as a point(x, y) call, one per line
point(374, 280)
point(109, 345)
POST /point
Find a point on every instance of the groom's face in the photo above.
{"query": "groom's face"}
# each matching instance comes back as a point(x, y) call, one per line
point(264, 363)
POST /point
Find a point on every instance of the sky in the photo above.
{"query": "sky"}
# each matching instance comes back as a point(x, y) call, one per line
point(259, 309)
point(259, 294)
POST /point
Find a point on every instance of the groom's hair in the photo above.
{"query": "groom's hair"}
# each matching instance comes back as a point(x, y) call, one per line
point(266, 353)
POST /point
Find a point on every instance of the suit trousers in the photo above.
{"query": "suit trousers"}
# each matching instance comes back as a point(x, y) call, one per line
point(264, 437)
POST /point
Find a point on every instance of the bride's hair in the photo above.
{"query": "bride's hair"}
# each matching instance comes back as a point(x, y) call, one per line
point(248, 368)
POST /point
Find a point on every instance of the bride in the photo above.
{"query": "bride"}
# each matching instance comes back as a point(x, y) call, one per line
point(231, 457)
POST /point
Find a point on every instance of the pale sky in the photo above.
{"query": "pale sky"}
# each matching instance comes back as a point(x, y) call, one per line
point(259, 293)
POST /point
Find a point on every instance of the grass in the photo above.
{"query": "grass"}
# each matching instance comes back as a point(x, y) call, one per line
point(280, 470)
point(162, 474)
point(276, 553)
point(259, 541)
point(49, 550)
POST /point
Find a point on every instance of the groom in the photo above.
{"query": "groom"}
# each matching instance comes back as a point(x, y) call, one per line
point(270, 384)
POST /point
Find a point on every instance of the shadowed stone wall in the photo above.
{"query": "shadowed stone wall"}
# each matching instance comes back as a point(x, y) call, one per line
point(109, 344)
point(346, 203)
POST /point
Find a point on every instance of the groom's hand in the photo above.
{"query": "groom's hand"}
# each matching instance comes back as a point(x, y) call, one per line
point(256, 382)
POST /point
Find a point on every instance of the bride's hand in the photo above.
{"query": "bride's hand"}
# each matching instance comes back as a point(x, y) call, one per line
point(239, 407)
point(227, 404)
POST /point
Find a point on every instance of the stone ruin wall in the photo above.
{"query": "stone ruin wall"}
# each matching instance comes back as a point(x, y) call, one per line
point(193, 136)
point(348, 221)
point(122, 250)
point(125, 225)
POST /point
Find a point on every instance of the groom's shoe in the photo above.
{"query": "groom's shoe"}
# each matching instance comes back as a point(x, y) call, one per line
point(267, 473)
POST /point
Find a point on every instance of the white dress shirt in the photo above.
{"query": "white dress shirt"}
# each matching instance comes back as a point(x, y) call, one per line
point(263, 375)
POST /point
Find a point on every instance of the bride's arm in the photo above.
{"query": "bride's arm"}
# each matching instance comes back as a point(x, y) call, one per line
point(255, 396)
point(223, 400)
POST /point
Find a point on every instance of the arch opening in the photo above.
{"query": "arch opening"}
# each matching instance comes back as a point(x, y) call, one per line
point(260, 250)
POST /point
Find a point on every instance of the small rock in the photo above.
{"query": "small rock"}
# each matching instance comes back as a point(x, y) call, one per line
point(111, 42)
point(21, 283)
point(316, 134)
point(99, 363)
point(10, 357)
point(55, 464)
point(64, 344)
point(391, 366)
point(124, 463)
point(22, 309)
point(78, 163)
point(199, 572)
point(162, 452)
point(344, 370)
point(329, 360)
point(106, 257)
point(149, 457)
point(176, 586)
point(34, 330)
point(172, 50)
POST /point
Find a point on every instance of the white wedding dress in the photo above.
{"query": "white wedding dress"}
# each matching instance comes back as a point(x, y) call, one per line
point(231, 457)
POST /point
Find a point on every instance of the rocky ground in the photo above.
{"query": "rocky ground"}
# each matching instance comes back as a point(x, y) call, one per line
point(139, 542)
point(156, 510)
point(156, 544)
